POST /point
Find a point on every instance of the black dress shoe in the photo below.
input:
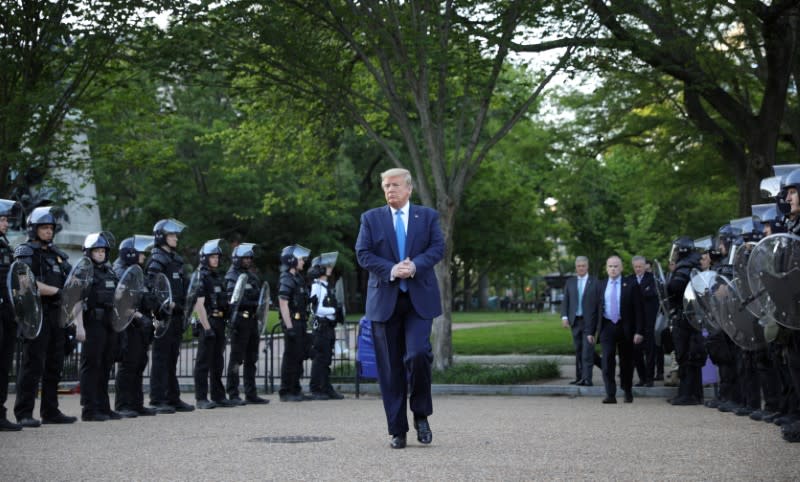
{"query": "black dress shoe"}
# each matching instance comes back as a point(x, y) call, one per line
point(334, 395)
point(610, 400)
point(575, 382)
point(163, 408)
point(29, 422)
point(237, 402)
point(628, 397)
point(256, 400)
point(684, 401)
point(181, 406)
point(398, 441)
point(584, 383)
point(640, 384)
point(128, 413)
point(319, 396)
point(225, 403)
point(206, 404)
point(659, 378)
point(94, 417)
point(424, 434)
point(648, 384)
point(59, 419)
point(112, 415)
point(291, 397)
point(9, 426)
point(146, 411)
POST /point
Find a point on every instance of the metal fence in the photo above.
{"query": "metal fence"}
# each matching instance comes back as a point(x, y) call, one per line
point(268, 368)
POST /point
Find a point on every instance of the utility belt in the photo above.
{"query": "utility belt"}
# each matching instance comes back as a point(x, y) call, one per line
point(100, 314)
point(321, 322)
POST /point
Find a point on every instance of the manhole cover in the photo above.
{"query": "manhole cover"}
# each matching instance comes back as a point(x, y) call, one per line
point(292, 439)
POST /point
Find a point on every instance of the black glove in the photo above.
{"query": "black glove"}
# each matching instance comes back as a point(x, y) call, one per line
point(209, 333)
point(291, 333)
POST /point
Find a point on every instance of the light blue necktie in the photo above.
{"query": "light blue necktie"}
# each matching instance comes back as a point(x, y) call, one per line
point(579, 310)
point(613, 309)
point(400, 230)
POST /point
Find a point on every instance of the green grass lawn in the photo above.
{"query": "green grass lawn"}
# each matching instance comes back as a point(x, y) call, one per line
point(539, 335)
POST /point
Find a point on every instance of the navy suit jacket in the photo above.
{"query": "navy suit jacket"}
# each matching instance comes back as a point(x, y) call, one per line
point(376, 251)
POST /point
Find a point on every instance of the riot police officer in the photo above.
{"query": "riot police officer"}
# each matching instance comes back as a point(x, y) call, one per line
point(97, 353)
point(211, 307)
point(43, 356)
point(245, 337)
point(136, 338)
point(326, 313)
point(8, 325)
point(688, 341)
point(789, 204)
point(164, 259)
point(293, 304)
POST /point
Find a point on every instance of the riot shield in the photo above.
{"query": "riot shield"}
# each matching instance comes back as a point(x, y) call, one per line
point(74, 290)
point(127, 297)
point(162, 290)
point(693, 310)
point(774, 268)
point(661, 288)
point(703, 286)
point(25, 301)
point(236, 297)
point(739, 324)
point(338, 288)
point(262, 312)
point(191, 299)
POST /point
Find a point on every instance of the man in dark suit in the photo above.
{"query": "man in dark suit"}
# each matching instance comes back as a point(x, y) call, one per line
point(646, 352)
point(621, 323)
point(578, 310)
point(402, 300)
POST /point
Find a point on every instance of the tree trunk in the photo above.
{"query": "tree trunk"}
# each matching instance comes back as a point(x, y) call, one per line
point(442, 325)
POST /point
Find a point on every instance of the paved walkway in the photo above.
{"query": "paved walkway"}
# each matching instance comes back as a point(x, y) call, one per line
point(475, 438)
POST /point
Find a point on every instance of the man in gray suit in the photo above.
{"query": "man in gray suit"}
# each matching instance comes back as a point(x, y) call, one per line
point(578, 311)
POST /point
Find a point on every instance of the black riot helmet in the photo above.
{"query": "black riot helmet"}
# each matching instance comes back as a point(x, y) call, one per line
point(164, 227)
point(10, 210)
point(681, 248)
point(244, 250)
point(210, 248)
point(103, 239)
point(290, 254)
point(768, 215)
point(131, 248)
point(321, 263)
point(728, 236)
point(44, 215)
point(790, 180)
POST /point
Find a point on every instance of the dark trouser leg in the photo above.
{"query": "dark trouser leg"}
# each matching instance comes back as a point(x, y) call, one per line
point(92, 366)
point(109, 354)
point(236, 357)
point(53, 366)
point(8, 341)
point(578, 340)
point(217, 360)
point(204, 350)
point(609, 357)
point(322, 338)
point(659, 360)
point(129, 370)
point(639, 361)
point(163, 368)
point(626, 362)
point(292, 362)
point(250, 361)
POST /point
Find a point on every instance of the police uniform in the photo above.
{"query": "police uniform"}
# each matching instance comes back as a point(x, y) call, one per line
point(293, 289)
point(164, 389)
point(323, 337)
point(43, 356)
point(8, 331)
point(133, 344)
point(688, 342)
point(245, 338)
point(211, 345)
point(98, 350)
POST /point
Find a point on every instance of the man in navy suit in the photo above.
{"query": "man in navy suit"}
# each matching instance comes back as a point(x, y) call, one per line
point(621, 325)
point(399, 245)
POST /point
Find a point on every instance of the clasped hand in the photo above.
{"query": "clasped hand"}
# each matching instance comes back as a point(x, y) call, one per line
point(404, 269)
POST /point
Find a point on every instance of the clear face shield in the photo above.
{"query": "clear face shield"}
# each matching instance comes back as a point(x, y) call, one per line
point(143, 242)
point(300, 252)
point(173, 226)
point(244, 250)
